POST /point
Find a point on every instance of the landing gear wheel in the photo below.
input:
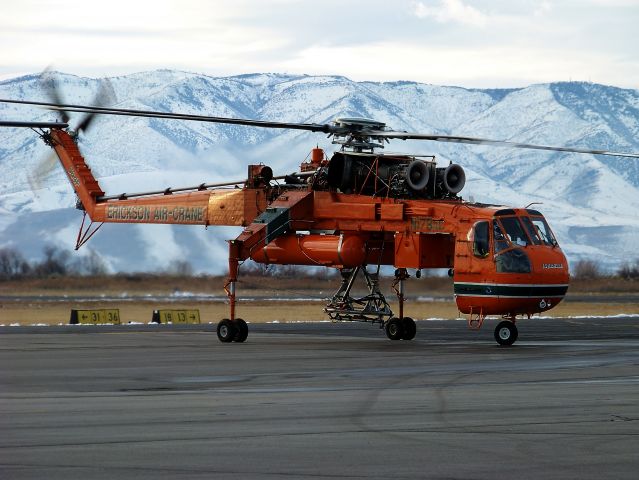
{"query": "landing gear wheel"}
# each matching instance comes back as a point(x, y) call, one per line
point(394, 329)
point(226, 331)
point(410, 329)
point(506, 333)
point(242, 330)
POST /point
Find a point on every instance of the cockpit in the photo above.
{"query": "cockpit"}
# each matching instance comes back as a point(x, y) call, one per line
point(512, 233)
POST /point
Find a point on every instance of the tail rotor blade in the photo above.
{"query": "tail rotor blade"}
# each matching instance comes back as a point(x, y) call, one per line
point(50, 86)
point(86, 122)
point(104, 97)
point(43, 169)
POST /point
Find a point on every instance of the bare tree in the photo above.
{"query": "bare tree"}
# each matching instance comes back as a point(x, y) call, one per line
point(180, 268)
point(92, 265)
point(586, 270)
point(56, 262)
point(629, 271)
point(257, 269)
point(12, 264)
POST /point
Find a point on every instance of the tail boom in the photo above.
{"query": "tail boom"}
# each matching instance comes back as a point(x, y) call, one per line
point(223, 206)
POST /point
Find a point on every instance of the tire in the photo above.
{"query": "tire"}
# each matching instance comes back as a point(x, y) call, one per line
point(226, 331)
point(506, 333)
point(242, 330)
point(394, 329)
point(410, 329)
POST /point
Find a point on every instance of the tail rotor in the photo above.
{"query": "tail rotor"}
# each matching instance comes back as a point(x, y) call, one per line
point(51, 86)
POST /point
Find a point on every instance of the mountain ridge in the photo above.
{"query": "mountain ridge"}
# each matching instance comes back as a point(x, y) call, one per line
point(585, 197)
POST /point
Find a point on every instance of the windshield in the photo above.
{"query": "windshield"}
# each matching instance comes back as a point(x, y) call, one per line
point(500, 240)
point(532, 231)
point(507, 258)
point(514, 231)
point(543, 231)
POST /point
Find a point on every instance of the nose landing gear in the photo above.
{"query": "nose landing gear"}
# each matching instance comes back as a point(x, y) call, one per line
point(506, 332)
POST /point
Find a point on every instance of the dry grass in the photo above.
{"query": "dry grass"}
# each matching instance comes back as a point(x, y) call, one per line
point(164, 284)
point(34, 313)
point(30, 310)
point(604, 285)
point(252, 311)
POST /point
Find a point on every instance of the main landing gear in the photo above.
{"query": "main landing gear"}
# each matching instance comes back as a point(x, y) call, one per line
point(400, 328)
point(232, 330)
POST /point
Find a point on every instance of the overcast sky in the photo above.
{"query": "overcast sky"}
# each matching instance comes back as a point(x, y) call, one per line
point(471, 43)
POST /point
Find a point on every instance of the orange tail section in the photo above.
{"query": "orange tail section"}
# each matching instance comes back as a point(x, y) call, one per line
point(229, 206)
point(79, 173)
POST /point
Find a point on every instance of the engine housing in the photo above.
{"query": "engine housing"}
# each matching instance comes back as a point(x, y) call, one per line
point(396, 176)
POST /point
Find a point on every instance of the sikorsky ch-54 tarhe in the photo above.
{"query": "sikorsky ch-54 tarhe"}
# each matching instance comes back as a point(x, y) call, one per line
point(355, 211)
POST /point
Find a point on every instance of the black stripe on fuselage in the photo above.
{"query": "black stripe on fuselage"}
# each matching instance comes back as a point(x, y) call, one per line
point(513, 291)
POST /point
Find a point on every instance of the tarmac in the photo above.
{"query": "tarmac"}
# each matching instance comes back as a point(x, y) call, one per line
point(321, 401)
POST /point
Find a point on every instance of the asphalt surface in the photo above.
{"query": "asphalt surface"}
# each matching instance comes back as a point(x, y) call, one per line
point(321, 401)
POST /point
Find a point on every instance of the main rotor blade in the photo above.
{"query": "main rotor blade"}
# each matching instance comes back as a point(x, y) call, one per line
point(313, 127)
point(495, 143)
point(10, 123)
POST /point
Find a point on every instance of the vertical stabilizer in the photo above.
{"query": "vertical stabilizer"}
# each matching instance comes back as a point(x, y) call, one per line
point(78, 172)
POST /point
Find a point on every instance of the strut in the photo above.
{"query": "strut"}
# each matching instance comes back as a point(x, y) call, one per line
point(370, 308)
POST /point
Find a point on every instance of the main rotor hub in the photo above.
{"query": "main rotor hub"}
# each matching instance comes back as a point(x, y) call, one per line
point(358, 123)
point(354, 133)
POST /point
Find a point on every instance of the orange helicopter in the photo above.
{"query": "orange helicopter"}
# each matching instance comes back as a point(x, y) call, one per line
point(359, 208)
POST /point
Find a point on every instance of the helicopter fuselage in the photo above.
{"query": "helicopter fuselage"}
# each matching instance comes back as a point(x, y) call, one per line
point(356, 210)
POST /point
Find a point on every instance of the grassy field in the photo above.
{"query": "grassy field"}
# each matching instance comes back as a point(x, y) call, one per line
point(32, 302)
point(34, 313)
point(164, 284)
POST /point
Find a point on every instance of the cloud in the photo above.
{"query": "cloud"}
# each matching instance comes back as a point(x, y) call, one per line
point(505, 42)
point(476, 66)
point(455, 11)
point(544, 7)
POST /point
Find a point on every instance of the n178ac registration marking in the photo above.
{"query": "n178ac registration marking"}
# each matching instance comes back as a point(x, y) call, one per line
point(146, 214)
point(427, 224)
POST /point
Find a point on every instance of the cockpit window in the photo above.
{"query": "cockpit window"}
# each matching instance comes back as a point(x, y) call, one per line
point(480, 241)
point(514, 231)
point(543, 231)
point(508, 259)
point(500, 240)
point(532, 231)
point(513, 261)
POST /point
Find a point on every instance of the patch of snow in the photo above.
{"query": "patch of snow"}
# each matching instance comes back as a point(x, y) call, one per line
point(592, 202)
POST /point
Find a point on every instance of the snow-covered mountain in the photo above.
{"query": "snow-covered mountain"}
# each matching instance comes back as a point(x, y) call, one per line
point(592, 202)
